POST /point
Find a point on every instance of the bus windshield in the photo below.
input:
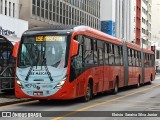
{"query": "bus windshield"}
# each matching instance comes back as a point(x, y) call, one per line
point(43, 53)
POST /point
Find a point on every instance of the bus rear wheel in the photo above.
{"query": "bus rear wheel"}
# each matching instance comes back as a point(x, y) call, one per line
point(115, 89)
point(150, 81)
point(138, 83)
point(88, 94)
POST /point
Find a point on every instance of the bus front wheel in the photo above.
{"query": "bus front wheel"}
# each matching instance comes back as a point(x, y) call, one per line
point(115, 89)
point(88, 94)
point(138, 82)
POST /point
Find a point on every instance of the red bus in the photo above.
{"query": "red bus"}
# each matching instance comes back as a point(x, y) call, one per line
point(67, 62)
point(7, 62)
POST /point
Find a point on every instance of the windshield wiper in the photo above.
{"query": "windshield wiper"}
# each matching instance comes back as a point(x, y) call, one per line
point(46, 68)
point(29, 72)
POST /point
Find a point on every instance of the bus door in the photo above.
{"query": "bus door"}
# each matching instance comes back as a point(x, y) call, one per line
point(77, 70)
point(130, 68)
point(106, 69)
point(134, 68)
point(143, 65)
point(90, 63)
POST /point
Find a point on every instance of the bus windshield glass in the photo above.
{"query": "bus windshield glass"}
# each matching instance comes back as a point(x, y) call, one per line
point(43, 51)
point(42, 56)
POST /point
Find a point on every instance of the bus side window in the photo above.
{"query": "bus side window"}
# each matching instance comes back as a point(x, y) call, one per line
point(95, 52)
point(145, 59)
point(153, 60)
point(133, 58)
point(136, 58)
point(88, 51)
point(140, 61)
point(121, 55)
point(117, 54)
point(100, 51)
point(106, 53)
point(129, 57)
point(111, 54)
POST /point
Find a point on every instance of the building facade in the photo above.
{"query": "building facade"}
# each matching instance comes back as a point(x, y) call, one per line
point(138, 22)
point(146, 23)
point(57, 12)
point(10, 24)
point(9, 8)
point(118, 18)
point(131, 18)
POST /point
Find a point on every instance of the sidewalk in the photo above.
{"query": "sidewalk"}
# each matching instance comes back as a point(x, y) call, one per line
point(7, 99)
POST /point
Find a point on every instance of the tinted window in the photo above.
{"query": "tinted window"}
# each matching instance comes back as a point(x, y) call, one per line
point(88, 51)
point(111, 54)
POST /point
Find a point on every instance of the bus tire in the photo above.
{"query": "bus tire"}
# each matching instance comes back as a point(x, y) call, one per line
point(138, 82)
point(150, 82)
point(88, 94)
point(115, 89)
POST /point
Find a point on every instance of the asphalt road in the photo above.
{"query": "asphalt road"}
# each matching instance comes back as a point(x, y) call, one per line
point(106, 106)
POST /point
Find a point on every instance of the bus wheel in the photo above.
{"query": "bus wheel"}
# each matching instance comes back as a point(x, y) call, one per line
point(138, 83)
point(150, 82)
point(115, 89)
point(88, 94)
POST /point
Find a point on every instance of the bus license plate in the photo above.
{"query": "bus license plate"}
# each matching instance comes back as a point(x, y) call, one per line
point(37, 93)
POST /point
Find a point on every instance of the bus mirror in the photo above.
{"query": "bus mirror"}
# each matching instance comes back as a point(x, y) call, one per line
point(15, 50)
point(74, 48)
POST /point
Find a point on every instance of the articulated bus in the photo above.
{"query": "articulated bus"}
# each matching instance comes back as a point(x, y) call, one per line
point(68, 62)
point(7, 62)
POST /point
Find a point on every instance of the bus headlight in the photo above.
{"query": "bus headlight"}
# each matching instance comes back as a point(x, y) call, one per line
point(20, 84)
point(61, 83)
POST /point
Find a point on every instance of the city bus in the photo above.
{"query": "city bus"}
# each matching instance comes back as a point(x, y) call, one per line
point(67, 62)
point(7, 62)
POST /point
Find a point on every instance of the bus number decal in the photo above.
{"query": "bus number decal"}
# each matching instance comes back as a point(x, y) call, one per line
point(39, 38)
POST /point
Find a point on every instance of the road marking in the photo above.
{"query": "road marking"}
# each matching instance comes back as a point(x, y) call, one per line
point(18, 104)
point(101, 103)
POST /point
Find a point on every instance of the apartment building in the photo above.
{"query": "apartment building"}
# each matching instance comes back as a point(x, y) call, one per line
point(57, 12)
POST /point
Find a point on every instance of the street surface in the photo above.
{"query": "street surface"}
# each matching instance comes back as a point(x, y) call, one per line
point(145, 98)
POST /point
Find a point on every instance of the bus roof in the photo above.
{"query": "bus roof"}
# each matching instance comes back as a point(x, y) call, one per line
point(71, 29)
point(147, 51)
point(133, 46)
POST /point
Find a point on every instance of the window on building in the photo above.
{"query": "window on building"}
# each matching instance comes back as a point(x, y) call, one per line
point(9, 8)
point(1, 5)
point(13, 9)
point(46, 9)
point(5, 7)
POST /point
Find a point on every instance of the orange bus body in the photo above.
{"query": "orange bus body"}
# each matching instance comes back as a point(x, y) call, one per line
point(101, 77)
